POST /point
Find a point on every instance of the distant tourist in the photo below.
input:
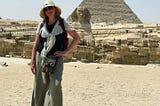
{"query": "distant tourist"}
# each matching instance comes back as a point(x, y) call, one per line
point(3, 63)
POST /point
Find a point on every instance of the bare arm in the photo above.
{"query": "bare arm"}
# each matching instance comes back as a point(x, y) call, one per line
point(75, 41)
point(33, 58)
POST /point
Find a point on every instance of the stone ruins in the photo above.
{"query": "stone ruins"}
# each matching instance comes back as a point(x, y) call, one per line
point(110, 33)
point(17, 38)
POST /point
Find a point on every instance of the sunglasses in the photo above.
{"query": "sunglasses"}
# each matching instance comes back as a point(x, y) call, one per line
point(48, 8)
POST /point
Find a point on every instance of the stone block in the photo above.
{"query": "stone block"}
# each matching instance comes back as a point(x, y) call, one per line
point(153, 43)
point(143, 51)
point(154, 51)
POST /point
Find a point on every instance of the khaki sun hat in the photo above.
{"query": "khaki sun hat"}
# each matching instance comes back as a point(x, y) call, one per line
point(49, 3)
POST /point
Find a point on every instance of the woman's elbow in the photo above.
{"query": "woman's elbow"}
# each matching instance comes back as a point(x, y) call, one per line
point(78, 38)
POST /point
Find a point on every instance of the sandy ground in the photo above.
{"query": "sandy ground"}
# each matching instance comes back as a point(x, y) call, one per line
point(86, 84)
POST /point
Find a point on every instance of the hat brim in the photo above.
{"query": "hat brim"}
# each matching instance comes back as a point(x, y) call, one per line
point(42, 15)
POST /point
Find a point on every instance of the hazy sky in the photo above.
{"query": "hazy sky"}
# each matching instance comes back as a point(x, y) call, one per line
point(146, 10)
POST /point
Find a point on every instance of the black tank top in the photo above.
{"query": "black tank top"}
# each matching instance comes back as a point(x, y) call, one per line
point(59, 44)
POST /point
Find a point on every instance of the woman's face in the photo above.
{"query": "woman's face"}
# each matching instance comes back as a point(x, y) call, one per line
point(50, 11)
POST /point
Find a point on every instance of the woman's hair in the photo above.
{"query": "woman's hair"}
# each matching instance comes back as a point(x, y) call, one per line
point(57, 14)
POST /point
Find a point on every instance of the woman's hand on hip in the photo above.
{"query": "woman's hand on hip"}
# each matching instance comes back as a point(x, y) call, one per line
point(60, 53)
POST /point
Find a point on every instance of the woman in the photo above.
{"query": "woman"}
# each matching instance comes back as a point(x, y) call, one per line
point(49, 43)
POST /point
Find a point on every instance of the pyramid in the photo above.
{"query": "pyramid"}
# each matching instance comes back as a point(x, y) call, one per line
point(110, 11)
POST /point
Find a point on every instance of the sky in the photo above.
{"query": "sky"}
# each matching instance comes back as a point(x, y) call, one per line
point(146, 10)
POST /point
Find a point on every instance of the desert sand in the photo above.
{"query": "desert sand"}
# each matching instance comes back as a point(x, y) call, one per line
point(85, 84)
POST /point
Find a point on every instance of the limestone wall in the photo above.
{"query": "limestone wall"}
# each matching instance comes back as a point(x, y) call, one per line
point(143, 51)
point(123, 44)
point(15, 49)
point(17, 37)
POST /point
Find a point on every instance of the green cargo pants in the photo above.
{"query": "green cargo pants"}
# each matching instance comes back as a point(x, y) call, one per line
point(49, 92)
